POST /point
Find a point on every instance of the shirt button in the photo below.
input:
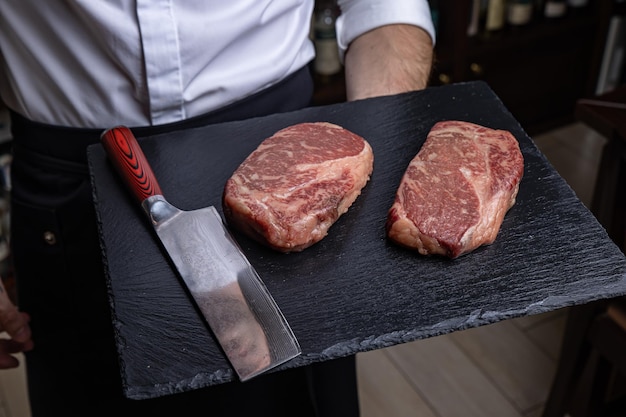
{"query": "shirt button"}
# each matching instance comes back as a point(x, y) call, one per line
point(49, 237)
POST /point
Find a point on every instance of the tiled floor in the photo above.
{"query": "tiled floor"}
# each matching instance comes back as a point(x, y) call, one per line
point(501, 370)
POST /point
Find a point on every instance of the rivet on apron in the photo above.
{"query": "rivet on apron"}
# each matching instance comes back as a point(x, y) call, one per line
point(49, 237)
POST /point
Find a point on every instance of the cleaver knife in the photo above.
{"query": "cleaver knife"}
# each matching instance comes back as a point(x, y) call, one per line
point(237, 306)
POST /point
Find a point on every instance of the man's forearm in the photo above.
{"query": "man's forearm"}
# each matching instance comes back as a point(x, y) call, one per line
point(388, 60)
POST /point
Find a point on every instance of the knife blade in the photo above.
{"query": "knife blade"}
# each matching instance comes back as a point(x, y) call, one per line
point(234, 301)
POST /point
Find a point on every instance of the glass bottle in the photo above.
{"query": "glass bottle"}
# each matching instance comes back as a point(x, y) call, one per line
point(327, 60)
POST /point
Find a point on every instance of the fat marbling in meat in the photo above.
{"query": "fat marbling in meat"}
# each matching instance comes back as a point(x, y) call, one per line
point(296, 184)
point(456, 191)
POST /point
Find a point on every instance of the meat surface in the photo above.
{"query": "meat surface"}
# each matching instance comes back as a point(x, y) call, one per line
point(296, 184)
point(456, 191)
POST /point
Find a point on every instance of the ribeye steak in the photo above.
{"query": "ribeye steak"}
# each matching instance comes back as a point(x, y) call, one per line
point(296, 184)
point(456, 191)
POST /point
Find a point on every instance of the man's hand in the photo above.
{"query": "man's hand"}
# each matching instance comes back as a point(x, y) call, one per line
point(388, 60)
point(15, 323)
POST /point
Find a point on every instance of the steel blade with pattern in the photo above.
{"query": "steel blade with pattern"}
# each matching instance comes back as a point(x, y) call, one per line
point(242, 314)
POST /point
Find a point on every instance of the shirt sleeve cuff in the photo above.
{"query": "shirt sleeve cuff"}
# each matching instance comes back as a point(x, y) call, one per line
point(358, 17)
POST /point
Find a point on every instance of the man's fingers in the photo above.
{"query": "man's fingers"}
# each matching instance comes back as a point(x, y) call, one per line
point(12, 321)
point(8, 361)
point(7, 347)
point(15, 324)
point(10, 346)
point(23, 334)
point(5, 301)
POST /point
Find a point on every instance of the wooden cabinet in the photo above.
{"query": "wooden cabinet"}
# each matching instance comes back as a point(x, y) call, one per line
point(539, 70)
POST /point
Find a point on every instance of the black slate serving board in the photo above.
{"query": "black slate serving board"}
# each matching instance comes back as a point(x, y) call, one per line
point(354, 291)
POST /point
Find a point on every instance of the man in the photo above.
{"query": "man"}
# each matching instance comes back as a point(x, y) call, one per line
point(68, 70)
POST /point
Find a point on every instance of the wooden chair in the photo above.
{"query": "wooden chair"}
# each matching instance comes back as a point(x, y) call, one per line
point(592, 359)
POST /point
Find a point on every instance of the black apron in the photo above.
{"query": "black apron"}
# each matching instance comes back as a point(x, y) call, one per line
point(73, 369)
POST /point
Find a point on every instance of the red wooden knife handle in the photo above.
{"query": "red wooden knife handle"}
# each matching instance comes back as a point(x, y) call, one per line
point(130, 162)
